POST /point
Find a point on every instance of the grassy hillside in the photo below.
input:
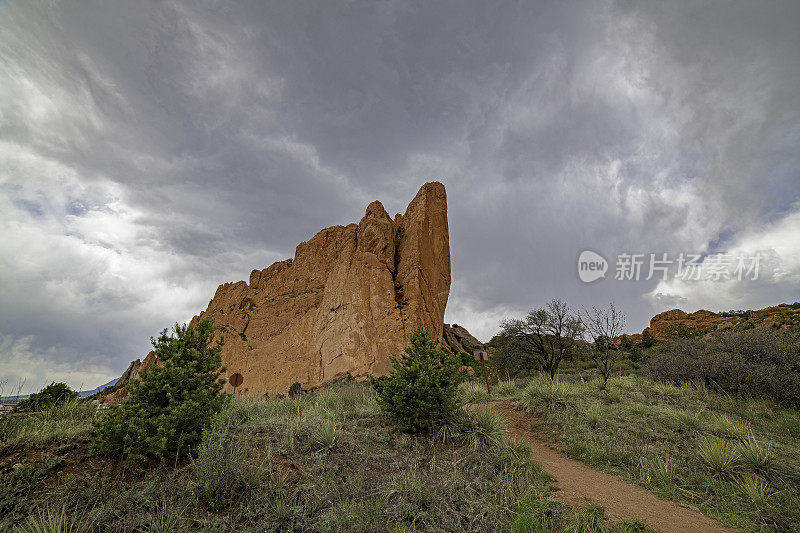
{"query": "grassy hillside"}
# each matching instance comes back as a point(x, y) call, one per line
point(327, 462)
point(737, 460)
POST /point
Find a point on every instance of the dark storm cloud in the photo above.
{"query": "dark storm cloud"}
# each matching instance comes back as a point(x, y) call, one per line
point(149, 151)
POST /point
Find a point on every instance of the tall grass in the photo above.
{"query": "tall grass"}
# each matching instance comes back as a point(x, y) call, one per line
point(593, 414)
point(325, 462)
point(52, 519)
point(483, 429)
point(728, 426)
point(543, 390)
point(472, 392)
point(657, 470)
point(222, 467)
point(324, 434)
point(716, 451)
point(505, 388)
point(60, 422)
point(755, 489)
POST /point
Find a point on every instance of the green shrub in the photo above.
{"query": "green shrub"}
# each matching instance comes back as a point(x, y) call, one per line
point(295, 390)
point(760, 459)
point(625, 342)
point(720, 456)
point(594, 415)
point(168, 407)
point(755, 489)
point(51, 519)
point(421, 390)
point(678, 329)
point(761, 362)
point(53, 394)
point(323, 434)
point(648, 340)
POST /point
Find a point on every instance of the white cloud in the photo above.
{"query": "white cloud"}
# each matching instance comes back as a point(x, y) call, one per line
point(777, 279)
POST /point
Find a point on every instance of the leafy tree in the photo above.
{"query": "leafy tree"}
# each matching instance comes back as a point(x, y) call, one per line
point(53, 394)
point(420, 391)
point(544, 336)
point(172, 401)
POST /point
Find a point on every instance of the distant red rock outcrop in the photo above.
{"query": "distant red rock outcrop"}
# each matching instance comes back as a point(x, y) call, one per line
point(702, 322)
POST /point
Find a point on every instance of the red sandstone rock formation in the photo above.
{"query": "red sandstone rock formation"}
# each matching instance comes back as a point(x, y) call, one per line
point(347, 300)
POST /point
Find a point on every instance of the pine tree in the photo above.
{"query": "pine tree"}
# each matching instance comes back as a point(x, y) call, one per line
point(53, 394)
point(420, 391)
point(172, 401)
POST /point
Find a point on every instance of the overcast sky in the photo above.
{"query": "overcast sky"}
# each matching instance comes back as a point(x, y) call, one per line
point(150, 151)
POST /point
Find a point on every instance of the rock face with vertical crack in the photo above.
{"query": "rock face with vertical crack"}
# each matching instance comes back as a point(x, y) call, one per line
point(347, 300)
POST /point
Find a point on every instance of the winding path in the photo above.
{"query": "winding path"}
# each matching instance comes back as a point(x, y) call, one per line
point(577, 481)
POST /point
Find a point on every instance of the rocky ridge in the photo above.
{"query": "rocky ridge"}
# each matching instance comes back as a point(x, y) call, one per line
point(702, 322)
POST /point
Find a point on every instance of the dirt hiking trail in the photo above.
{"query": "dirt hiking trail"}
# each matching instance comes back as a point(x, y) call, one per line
point(577, 481)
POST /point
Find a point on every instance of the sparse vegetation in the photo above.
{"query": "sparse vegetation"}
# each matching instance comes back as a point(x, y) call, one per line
point(734, 458)
point(56, 424)
point(325, 462)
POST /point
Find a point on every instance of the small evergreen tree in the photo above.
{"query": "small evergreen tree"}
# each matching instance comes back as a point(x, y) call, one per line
point(635, 355)
point(420, 391)
point(625, 342)
point(648, 341)
point(172, 401)
point(53, 394)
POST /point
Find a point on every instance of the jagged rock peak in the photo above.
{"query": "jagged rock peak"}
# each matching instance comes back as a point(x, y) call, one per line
point(348, 299)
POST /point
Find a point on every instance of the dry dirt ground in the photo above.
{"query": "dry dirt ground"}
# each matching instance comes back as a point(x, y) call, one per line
point(577, 481)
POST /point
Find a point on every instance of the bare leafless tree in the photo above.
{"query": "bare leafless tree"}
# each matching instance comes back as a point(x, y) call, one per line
point(603, 326)
point(546, 334)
